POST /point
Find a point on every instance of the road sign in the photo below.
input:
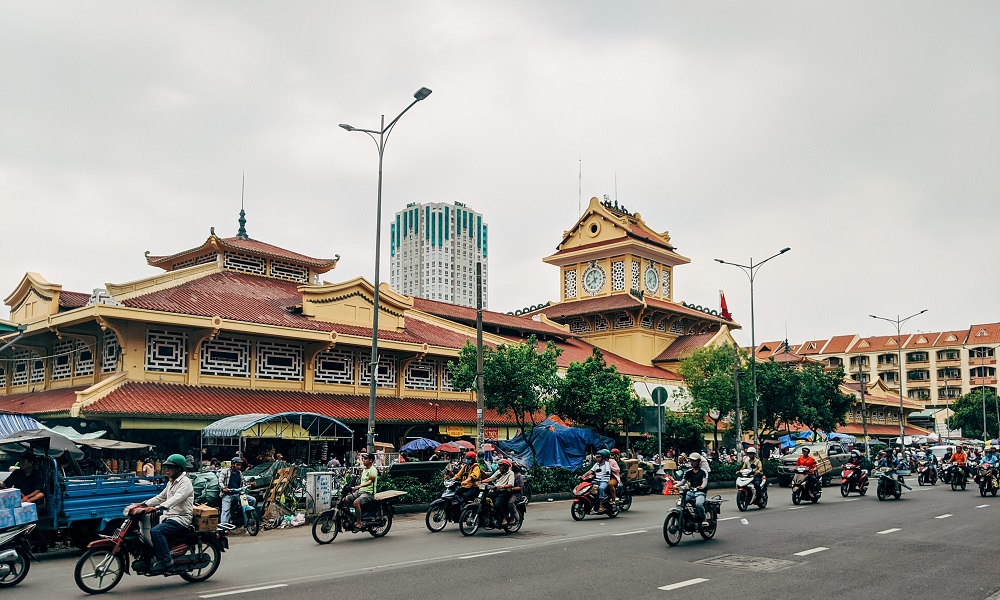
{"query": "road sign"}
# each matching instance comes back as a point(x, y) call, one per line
point(659, 395)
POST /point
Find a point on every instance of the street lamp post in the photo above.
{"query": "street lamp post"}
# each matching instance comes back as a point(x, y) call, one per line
point(899, 357)
point(382, 137)
point(751, 272)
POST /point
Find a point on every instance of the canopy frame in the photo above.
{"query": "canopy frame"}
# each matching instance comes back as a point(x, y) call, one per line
point(234, 430)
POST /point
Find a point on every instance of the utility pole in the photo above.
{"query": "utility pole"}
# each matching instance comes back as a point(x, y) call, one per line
point(864, 415)
point(479, 356)
point(736, 384)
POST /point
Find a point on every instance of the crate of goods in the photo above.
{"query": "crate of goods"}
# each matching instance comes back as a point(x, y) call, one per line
point(206, 518)
point(631, 468)
point(823, 465)
point(26, 513)
point(10, 499)
point(6, 518)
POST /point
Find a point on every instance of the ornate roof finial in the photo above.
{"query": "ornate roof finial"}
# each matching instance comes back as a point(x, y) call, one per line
point(242, 233)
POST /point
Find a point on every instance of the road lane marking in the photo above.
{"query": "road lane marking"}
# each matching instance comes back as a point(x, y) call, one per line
point(796, 507)
point(808, 552)
point(980, 506)
point(484, 554)
point(731, 518)
point(942, 516)
point(680, 584)
point(245, 590)
point(850, 499)
point(893, 530)
point(629, 532)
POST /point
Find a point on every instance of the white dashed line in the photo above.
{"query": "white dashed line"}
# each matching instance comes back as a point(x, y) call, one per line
point(731, 518)
point(942, 516)
point(850, 499)
point(796, 508)
point(680, 584)
point(982, 506)
point(893, 530)
point(808, 552)
point(629, 533)
point(483, 554)
point(245, 590)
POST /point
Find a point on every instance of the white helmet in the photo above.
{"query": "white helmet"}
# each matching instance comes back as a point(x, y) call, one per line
point(694, 456)
point(751, 450)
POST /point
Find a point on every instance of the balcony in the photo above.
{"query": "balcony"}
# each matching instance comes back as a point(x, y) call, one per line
point(978, 381)
point(918, 383)
point(918, 361)
point(978, 362)
point(949, 361)
point(888, 366)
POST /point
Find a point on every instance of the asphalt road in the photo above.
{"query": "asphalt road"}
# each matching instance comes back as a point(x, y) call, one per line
point(932, 541)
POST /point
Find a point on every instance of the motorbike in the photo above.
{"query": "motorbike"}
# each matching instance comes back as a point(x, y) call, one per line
point(15, 554)
point(481, 513)
point(746, 494)
point(447, 508)
point(683, 519)
point(376, 515)
point(853, 479)
point(957, 477)
point(987, 480)
point(246, 516)
point(890, 483)
point(926, 473)
point(196, 554)
point(801, 490)
point(585, 501)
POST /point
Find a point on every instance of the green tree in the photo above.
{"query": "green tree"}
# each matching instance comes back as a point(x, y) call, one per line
point(518, 379)
point(821, 404)
point(778, 404)
point(708, 375)
point(681, 430)
point(967, 414)
point(594, 394)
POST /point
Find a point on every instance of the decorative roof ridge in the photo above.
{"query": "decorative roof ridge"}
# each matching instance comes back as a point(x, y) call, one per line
point(164, 281)
point(33, 280)
point(454, 326)
point(216, 243)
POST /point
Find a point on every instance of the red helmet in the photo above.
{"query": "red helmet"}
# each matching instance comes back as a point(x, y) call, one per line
point(615, 451)
point(470, 454)
point(504, 461)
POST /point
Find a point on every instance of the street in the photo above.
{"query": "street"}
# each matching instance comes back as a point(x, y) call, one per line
point(929, 542)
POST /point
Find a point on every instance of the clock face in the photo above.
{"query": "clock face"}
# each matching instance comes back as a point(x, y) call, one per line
point(652, 280)
point(593, 279)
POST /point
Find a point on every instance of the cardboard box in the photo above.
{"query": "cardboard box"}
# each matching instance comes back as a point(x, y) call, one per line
point(10, 499)
point(6, 518)
point(631, 467)
point(206, 518)
point(26, 513)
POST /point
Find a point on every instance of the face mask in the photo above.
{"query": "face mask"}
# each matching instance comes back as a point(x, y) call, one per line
point(468, 461)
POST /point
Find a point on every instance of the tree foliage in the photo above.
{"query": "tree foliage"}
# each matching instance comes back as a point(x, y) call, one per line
point(681, 430)
point(807, 394)
point(594, 394)
point(708, 375)
point(968, 414)
point(518, 379)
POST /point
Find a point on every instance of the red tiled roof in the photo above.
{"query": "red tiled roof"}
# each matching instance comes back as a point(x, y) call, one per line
point(164, 400)
point(992, 334)
point(914, 340)
point(639, 233)
point(958, 335)
point(684, 310)
point(876, 343)
point(838, 344)
point(73, 299)
point(575, 350)
point(817, 347)
point(253, 299)
point(249, 245)
point(467, 315)
point(766, 349)
point(35, 403)
point(857, 429)
point(684, 346)
point(602, 304)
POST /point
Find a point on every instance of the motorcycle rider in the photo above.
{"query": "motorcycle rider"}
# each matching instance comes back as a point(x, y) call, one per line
point(503, 482)
point(177, 502)
point(468, 477)
point(990, 458)
point(961, 459)
point(752, 462)
point(697, 478)
point(616, 473)
point(601, 473)
point(230, 481)
point(364, 492)
point(810, 463)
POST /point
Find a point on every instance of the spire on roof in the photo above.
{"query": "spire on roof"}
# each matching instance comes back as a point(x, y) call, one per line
point(242, 233)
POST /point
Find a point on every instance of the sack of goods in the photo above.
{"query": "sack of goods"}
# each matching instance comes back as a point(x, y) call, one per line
point(26, 513)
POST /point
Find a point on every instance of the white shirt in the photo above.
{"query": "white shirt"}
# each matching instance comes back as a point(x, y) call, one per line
point(178, 500)
point(602, 472)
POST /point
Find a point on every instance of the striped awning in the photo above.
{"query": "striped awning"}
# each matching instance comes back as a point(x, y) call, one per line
point(11, 423)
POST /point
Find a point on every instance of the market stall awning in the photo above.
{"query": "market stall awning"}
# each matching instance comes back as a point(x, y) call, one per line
point(289, 425)
point(10, 423)
point(112, 444)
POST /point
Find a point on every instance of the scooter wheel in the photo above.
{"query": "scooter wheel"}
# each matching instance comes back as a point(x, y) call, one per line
point(325, 529)
point(741, 501)
point(845, 489)
point(436, 519)
point(796, 497)
point(672, 532)
point(214, 553)
point(253, 525)
point(578, 511)
point(17, 571)
point(98, 571)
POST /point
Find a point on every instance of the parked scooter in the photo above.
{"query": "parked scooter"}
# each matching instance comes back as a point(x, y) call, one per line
point(926, 473)
point(376, 516)
point(482, 513)
point(585, 502)
point(801, 490)
point(853, 479)
point(683, 519)
point(746, 494)
point(987, 480)
point(890, 483)
point(447, 508)
point(15, 554)
point(196, 554)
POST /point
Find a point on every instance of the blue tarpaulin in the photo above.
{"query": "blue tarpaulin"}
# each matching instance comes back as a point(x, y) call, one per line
point(11, 423)
point(556, 445)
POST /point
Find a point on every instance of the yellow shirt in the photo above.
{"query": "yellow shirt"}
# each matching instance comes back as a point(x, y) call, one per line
point(468, 472)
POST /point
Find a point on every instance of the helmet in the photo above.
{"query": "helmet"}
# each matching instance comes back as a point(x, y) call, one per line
point(176, 460)
point(855, 453)
point(805, 450)
point(605, 453)
point(615, 451)
point(505, 461)
point(236, 460)
point(470, 454)
point(751, 450)
point(694, 456)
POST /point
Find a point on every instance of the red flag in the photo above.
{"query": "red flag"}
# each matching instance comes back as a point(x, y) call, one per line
point(725, 309)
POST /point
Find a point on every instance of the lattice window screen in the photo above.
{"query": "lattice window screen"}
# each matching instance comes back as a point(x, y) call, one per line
point(666, 283)
point(166, 351)
point(677, 327)
point(618, 276)
point(600, 323)
point(84, 360)
point(201, 260)
point(387, 367)
point(245, 263)
point(62, 359)
point(420, 375)
point(635, 275)
point(661, 325)
point(37, 371)
point(287, 270)
point(225, 357)
point(447, 383)
point(109, 358)
point(335, 366)
point(21, 367)
point(646, 322)
point(279, 361)
point(570, 283)
point(623, 320)
point(579, 325)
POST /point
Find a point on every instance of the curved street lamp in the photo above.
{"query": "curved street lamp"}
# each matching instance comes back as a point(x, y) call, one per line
point(899, 357)
point(383, 136)
point(751, 272)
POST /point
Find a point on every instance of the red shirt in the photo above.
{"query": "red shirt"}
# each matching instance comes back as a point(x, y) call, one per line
point(806, 461)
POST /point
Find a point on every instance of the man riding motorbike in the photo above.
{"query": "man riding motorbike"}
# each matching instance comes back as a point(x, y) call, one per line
point(364, 492)
point(810, 463)
point(503, 482)
point(616, 473)
point(961, 459)
point(230, 481)
point(697, 478)
point(468, 477)
point(990, 458)
point(177, 502)
point(600, 472)
point(752, 462)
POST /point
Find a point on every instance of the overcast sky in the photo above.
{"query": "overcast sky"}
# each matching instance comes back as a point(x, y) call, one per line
point(864, 135)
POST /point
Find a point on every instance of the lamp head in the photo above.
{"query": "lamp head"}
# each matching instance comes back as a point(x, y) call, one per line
point(719, 260)
point(783, 250)
point(421, 94)
point(347, 127)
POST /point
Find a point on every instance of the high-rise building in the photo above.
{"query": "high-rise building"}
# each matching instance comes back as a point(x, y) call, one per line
point(434, 251)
